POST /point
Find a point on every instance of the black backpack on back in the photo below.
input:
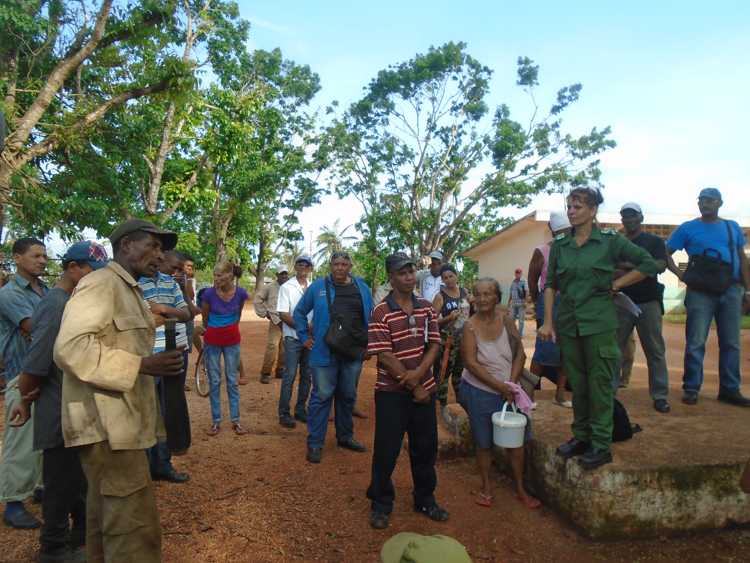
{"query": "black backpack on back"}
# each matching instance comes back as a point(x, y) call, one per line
point(622, 429)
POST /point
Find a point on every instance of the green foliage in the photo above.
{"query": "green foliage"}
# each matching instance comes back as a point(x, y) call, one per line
point(410, 148)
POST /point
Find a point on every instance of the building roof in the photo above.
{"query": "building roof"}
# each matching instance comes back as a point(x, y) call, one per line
point(542, 216)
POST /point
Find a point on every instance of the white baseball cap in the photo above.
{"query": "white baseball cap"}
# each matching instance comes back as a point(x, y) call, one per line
point(558, 221)
point(632, 206)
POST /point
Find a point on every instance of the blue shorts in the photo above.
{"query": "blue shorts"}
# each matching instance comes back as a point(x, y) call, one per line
point(545, 353)
point(480, 406)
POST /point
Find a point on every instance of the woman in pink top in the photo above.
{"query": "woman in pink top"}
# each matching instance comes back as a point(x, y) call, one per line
point(546, 360)
point(493, 355)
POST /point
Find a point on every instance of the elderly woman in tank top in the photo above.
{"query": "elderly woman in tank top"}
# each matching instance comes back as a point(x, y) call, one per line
point(493, 356)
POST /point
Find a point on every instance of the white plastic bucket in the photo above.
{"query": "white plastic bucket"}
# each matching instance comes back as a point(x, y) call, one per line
point(508, 428)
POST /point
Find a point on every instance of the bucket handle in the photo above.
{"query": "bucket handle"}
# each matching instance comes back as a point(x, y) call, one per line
point(505, 409)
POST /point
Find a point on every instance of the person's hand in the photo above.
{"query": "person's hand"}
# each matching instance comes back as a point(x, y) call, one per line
point(421, 395)
point(32, 395)
point(20, 414)
point(158, 320)
point(410, 379)
point(309, 343)
point(506, 392)
point(163, 364)
point(158, 309)
point(546, 333)
point(454, 315)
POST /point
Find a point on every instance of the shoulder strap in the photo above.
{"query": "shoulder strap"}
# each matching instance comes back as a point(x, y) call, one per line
point(731, 244)
point(328, 297)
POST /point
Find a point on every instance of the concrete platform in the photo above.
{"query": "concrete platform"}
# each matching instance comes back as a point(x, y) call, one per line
point(679, 474)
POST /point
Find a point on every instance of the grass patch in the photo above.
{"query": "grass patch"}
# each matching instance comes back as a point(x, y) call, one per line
point(679, 318)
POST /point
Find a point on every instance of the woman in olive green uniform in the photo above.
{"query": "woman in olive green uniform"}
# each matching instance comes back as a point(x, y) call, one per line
point(581, 268)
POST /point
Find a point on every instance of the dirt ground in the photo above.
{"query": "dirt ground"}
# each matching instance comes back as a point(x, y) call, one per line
point(255, 498)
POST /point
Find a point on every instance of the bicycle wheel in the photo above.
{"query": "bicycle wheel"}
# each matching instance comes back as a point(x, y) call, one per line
point(201, 376)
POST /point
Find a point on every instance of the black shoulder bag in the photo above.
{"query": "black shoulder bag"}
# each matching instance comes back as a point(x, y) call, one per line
point(708, 273)
point(340, 336)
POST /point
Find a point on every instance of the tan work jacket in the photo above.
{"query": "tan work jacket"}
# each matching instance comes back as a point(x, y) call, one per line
point(266, 301)
point(106, 329)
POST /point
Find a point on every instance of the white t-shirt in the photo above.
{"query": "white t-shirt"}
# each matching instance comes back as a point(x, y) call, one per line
point(289, 295)
point(429, 285)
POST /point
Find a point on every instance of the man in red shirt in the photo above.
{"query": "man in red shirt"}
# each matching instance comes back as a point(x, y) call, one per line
point(403, 333)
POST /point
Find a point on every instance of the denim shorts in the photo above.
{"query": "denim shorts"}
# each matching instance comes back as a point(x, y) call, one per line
point(480, 406)
point(545, 353)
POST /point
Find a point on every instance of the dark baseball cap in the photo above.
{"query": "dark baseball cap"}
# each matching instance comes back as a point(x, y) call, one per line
point(396, 261)
point(304, 258)
point(168, 239)
point(712, 193)
point(94, 254)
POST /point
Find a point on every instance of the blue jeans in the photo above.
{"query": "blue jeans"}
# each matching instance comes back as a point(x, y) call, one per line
point(231, 367)
point(295, 354)
point(337, 380)
point(701, 309)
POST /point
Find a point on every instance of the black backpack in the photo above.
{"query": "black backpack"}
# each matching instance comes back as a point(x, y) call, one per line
point(622, 429)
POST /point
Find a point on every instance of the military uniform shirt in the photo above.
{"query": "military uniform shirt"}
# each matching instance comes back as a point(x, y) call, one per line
point(583, 276)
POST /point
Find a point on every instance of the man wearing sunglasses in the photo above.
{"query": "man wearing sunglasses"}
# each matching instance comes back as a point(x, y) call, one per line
point(404, 335)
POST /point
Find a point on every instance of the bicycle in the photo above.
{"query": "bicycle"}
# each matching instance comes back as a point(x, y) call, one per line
point(201, 376)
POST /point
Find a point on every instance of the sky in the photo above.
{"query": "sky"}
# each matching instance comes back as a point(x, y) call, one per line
point(671, 78)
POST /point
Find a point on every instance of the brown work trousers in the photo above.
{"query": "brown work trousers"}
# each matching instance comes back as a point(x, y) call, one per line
point(274, 350)
point(122, 522)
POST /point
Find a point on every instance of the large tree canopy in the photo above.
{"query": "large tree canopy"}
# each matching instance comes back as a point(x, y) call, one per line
point(432, 168)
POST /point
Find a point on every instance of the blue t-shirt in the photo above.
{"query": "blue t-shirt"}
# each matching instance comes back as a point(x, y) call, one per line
point(696, 236)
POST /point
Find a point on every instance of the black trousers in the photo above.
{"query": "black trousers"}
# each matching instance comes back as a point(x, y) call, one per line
point(64, 500)
point(396, 414)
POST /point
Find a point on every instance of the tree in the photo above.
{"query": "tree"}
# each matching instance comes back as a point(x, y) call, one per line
point(331, 239)
point(261, 144)
point(142, 158)
point(64, 65)
point(408, 148)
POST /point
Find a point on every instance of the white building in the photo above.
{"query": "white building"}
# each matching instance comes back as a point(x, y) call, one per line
point(499, 255)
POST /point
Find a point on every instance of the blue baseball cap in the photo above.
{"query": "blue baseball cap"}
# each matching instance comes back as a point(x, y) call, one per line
point(93, 253)
point(712, 193)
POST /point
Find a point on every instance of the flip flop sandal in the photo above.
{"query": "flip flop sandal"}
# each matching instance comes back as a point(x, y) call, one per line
point(238, 429)
point(484, 500)
point(529, 502)
point(214, 430)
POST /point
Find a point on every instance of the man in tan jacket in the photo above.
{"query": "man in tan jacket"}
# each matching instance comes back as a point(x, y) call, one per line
point(109, 408)
point(265, 302)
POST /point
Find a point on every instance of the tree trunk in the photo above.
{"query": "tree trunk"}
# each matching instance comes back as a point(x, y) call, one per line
point(260, 269)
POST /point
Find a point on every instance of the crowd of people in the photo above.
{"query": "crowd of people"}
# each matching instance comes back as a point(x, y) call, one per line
point(96, 366)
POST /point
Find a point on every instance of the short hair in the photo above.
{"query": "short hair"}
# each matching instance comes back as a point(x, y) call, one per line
point(493, 282)
point(340, 254)
point(187, 257)
point(174, 254)
point(447, 268)
point(591, 197)
point(23, 244)
point(224, 267)
point(134, 236)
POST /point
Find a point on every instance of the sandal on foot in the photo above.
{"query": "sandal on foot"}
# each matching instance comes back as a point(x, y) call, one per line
point(214, 430)
point(484, 500)
point(238, 429)
point(562, 403)
point(529, 502)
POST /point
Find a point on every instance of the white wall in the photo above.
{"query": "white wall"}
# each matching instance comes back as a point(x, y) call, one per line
point(512, 250)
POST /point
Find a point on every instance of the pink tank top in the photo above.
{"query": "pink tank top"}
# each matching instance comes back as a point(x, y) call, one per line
point(497, 358)
point(544, 249)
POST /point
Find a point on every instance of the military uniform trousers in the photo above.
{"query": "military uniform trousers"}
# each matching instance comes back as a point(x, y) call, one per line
point(591, 362)
point(122, 522)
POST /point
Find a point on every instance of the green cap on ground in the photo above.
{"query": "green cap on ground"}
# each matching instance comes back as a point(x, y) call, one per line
point(407, 547)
